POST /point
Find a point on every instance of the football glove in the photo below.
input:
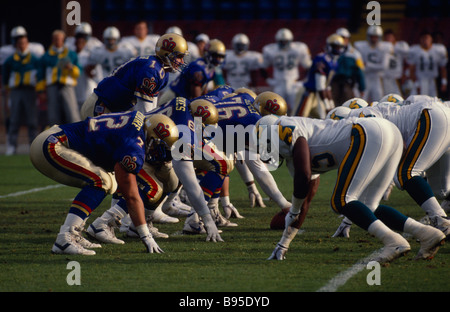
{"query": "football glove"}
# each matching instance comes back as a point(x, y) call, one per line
point(343, 230)
point(211, 229)
point(151, 245)
point(255, 198)
point(279, 253)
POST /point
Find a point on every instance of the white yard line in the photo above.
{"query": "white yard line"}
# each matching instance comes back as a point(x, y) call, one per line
point(39, 189)
point(342, 278)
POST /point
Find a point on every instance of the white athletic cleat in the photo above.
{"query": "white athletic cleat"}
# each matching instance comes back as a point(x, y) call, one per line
point(66, 243)
point(221, 221)
point(183, 197)
point(176, 208)
point(193, 227)
point(446, 205)
point(132, 232)
point(441, 223)
point(158, 216)
point(430, 240)
point(103, 231)
point(395, 248)
point(231, 212)
point(83, 241)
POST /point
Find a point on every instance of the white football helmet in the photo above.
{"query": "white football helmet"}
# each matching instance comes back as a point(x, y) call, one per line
point(355, 103)
point(374, 34)
point(338, 113)
point(18, 31)
point(392, 98)
point(284, 37)
point(174, 30)
point(343, 32)
point(111, 37)
point(84, 29)
point(240, 43)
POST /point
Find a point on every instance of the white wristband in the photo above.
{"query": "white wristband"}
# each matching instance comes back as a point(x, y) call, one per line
point(143, 230)
point(296, 204)
point(444, 81)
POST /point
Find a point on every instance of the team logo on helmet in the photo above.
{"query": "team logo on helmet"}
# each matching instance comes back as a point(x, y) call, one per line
point(161, 131)
point(168, 44)
point(203, 112)
point(272, 106)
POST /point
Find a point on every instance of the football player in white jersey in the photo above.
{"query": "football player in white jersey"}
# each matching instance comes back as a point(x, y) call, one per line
point(111, 55)
point(375, 54)
point(427, 61)
point(86, 30)
point(286, 56)
point(142, 41)
point(366, 152)
point(241, 64)
point(395, 73)
point(425, 129)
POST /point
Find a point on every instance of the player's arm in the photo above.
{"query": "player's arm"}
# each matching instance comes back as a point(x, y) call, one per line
point(128, 186)
point(302, 179)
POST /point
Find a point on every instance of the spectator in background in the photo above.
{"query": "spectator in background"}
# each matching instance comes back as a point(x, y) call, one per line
point(85, 84)
point(242, 65)
point(427, 61)
point(57, 76)
point(438, 40)
point(348, 81)
point(19, 77)
point(201, 41)
point(286, 57)
point(143, 42)
point(395, 75)
point(6, 51)
point(86, 29)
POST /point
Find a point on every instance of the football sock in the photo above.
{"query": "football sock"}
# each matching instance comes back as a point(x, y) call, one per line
point(418, 188)
point(359, 213)
point(394, 219)
point(210, 183)
point(86, 201)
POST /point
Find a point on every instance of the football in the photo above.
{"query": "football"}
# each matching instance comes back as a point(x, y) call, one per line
point(277, 222)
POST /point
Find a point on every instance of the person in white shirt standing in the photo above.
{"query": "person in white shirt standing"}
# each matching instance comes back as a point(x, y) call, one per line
point(286, 57)
point(395, 75)
point(375, 54)
point(142, 41)
point(427, 61)
point(242, 64)
point(111, 55)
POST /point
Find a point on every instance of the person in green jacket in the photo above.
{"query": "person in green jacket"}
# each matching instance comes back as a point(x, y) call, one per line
point(57, 77)
point(19, 78)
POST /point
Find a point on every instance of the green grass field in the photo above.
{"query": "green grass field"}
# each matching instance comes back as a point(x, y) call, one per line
point(30, 221)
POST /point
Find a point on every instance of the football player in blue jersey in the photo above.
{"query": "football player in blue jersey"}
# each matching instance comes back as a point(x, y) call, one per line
point(316, 100)
point(100, 155)
point(181, 111)
point(135, 84)
point(194, 79)
point(237, 116)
